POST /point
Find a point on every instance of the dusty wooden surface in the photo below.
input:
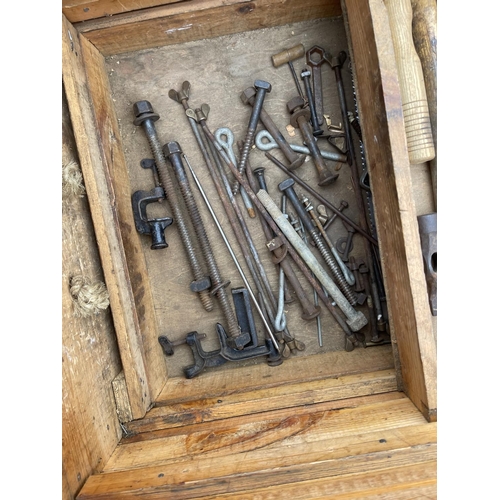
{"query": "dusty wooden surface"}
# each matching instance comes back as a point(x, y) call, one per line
point(90, 358)
point(360, 447)
point(219, 70)
point(101, 158)
point(197, 20)
point(391, 183)
point(83, 10)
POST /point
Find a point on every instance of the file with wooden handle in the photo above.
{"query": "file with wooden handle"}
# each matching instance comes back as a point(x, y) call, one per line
point(411, 80)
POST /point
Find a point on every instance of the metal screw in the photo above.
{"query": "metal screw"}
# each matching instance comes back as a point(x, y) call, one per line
point(309, 310)
point(173, 152)
point(287, 187)
point(145, 116)
point(262, 89)
point(296, 160)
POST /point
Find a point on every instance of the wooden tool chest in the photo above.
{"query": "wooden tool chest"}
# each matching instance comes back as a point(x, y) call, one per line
point(212, 436)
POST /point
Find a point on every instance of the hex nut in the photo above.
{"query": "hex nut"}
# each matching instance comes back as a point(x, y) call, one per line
point(171, 148)
point(141, 107)
point(143, 110)
point(248, 96)
point(293, 104)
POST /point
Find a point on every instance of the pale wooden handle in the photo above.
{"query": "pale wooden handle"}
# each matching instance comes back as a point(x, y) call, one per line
point(411, 81)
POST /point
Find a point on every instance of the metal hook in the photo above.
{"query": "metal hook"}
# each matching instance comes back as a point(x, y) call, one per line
point(227, 145)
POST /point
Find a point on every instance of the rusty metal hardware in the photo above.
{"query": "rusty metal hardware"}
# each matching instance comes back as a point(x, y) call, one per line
point(371, 252)
point(354, 265)
point(355, 124)
point(299, 227)
point(237, 339)
point(262, 88)
point(140, 199)
point(169, 345)
point(315, 57)
point(343, 205)
point(206, 359)
point(427, 226)
point(269, 332)
point(153, 227)
point(145, 117)
point(227, 144)
point(355, 319)
point(232, 209)
point(306, 78)
point(349, 277)
point(352, 339)
point(295, 160)
point(309, 310)
point(375, 315)
point(287, 188)
point(300, 117)
point(344, 245)
point(242, 232)
point(322, 214)
point(314, 193)
point(270, 144)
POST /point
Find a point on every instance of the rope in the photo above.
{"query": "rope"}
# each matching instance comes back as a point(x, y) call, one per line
point(89, 299)
point(72, 180)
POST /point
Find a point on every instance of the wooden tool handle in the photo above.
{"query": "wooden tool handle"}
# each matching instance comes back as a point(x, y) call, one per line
point(425, 40)
point(411, 81)
point(288, 55)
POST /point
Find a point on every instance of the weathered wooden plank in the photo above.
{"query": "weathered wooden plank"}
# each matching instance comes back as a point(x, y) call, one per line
point(115, 170)
point(332, 457)
point(84, 10)
point(101, 196)
point(90, 358)
point(295, 370)
point(123, 408)
point(270, 430)
point(390, 178)
point(411, 481)
point(197, 20)
point(288, 395)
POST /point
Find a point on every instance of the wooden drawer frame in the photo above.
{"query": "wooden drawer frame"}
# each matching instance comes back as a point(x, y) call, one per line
point(86, 44)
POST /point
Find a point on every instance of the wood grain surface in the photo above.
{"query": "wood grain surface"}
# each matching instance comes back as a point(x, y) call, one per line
point(90, 358)
point(94, 125)
point(84, 10)
point(378, 444)
point(198, 19)
point(391, 183)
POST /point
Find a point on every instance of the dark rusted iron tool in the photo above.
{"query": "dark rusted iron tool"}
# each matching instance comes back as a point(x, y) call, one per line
point(315, 57)
point(427, 226)
point(300, 116)
point(296, 160)
point(140, 199)
point(207, 359)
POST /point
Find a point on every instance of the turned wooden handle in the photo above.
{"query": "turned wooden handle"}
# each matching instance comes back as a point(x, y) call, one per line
point(411, 81)
point(425, 40)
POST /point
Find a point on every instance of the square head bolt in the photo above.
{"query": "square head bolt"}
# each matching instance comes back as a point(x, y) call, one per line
point(261, 84)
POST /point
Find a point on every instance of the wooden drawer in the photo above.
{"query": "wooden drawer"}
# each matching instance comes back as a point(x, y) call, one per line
point(112, 61)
